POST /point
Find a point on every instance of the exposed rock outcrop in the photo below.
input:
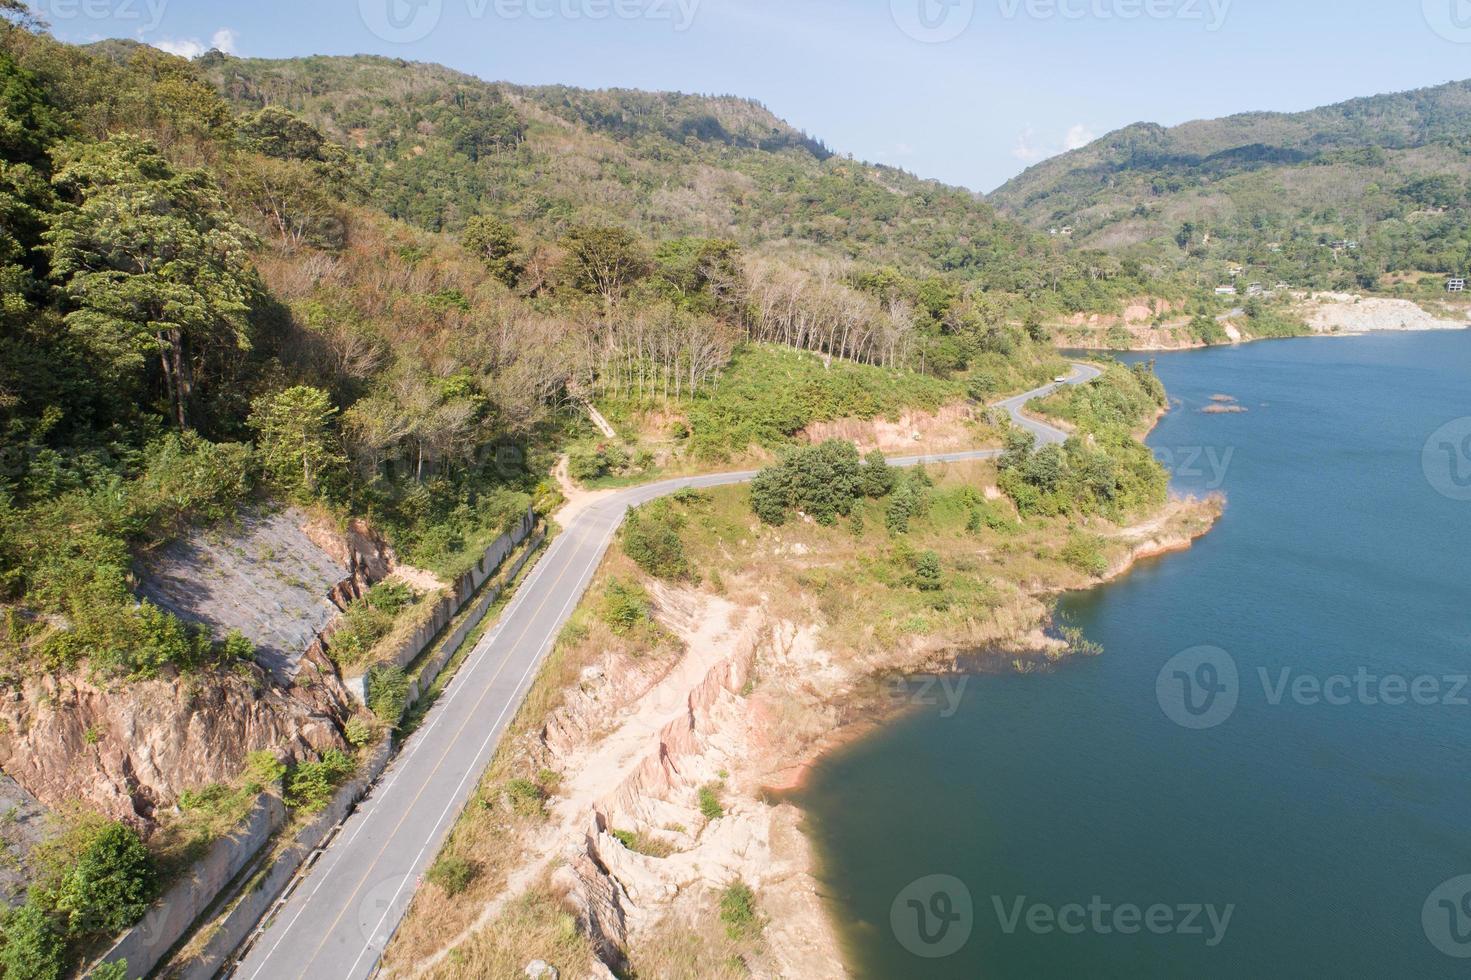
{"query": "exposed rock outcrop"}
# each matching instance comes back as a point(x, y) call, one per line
point(130, 748)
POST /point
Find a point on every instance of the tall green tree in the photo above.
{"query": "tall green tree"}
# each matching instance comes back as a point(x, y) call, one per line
point(604, 261)
point(494, 243)
point(154, 267)
point(298, 442)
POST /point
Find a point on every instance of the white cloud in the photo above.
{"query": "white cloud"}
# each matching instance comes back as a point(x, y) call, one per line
point(1030, 149)
point(1026, 147)
point(1078, 137)
point(224, 40)
point(185, 48)
point(192, 47)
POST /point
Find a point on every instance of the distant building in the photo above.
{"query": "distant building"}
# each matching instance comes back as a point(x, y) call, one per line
point(1455, 285)
point(1225, 290)
point(1237, 272)
point(1255, 289)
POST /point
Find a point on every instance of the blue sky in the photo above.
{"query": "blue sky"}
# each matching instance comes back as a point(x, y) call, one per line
point(967, 91)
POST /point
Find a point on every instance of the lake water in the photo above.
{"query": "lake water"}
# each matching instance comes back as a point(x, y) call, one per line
point(1325, 814)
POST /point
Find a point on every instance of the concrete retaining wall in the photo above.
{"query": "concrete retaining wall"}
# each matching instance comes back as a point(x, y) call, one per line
point(256, 893)
point(450, 604)
point(430, 671)
point(263, 889)
point(169, 918)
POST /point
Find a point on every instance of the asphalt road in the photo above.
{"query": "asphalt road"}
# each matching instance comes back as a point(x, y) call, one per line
point(340, 913)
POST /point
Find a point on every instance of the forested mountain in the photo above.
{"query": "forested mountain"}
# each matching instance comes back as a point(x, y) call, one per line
point(438, 146)
point(1388, 174)
point(209, 302)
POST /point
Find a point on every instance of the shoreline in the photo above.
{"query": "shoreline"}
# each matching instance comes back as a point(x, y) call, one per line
point(748, 691)
point(1026, 646)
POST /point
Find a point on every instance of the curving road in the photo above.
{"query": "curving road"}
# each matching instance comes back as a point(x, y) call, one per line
point(341, 911)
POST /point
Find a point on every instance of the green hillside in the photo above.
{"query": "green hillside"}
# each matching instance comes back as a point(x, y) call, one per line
point(1274, 191)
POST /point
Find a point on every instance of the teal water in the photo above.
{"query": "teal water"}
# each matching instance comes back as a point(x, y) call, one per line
point(1326, 826)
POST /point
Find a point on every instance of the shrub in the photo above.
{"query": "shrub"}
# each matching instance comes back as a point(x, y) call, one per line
point(388, 692)
point(651, 538)
point(452, 874)
point(738, 911)
point(109, 883)
point(822, 481)
point(643, 844)
point(710, 805)
point(1085, 553)
point(927, 574)
point(910, 500)
point(309, 785)
point(263, 768)
point(31, 948)
point(982, 386)
point(625, 607)
point(358, 732)
point(236, 648)
point(526, 797)
point(112, 970)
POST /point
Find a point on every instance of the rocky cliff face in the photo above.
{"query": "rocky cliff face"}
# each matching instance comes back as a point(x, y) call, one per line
point(129, 748)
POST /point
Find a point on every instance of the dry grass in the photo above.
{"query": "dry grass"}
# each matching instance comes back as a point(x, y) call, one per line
point(533, 926)
point(691, 946)
point(489, 832)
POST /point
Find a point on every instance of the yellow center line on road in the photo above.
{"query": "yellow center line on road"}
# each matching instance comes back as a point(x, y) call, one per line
point(448, 749)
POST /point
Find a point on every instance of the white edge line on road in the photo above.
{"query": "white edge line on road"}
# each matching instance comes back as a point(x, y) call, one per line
point(477, 767)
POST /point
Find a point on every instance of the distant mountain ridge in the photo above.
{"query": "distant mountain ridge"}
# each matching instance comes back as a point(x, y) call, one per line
point(1389, 171)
